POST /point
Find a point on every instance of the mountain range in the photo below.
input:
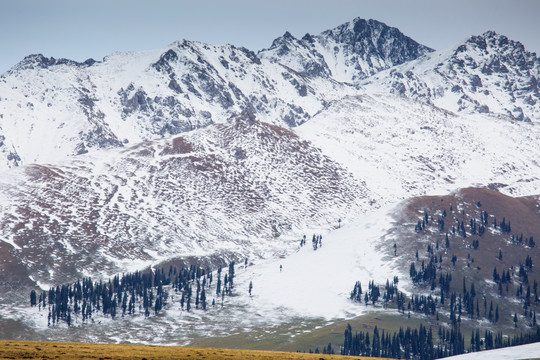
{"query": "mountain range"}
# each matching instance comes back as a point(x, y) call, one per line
point(219, 153)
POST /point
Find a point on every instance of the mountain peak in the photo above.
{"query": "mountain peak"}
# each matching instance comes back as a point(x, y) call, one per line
point(485, 73)
point(347, 53)
point(359, 24)
point(282, 42)
point(499, 53)
point(39, 60)
point(288, 35)
point(361, 30)
point(494, 40)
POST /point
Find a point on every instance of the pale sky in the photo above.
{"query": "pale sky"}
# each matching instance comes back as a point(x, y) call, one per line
point(79, 30)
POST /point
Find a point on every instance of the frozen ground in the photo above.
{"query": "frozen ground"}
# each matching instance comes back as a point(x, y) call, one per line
point(317, 283)
point(529, 351)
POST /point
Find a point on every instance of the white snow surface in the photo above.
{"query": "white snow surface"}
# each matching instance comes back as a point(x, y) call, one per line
point(318, 283)
point(528, 351)
point(402, 147)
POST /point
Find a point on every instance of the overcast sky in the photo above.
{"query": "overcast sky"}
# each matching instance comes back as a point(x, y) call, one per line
point(79, 30)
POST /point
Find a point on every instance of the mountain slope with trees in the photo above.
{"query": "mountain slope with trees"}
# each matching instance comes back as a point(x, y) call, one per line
point(312, 164)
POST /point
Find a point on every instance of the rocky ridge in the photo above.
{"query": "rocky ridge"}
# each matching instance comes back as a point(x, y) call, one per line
point(488, 73)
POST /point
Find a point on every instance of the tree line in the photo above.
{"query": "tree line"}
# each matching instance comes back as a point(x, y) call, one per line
point(140, 292)
point(421, 343)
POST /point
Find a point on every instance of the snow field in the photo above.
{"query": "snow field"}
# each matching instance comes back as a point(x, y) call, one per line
point(529, 351)
point(317, 283)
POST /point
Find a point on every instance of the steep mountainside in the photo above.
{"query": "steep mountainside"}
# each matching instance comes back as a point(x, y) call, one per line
point(231, 190)
point(403, 148)
point(486, 73)
point(348, 53)
point(50, 108)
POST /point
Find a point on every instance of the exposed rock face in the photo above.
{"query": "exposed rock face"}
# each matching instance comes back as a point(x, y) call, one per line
point(487, 73)
point(348, 53)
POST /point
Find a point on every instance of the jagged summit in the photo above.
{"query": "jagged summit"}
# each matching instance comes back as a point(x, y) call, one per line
point(348, 53)
point(38, 60)
point(488, 73)
point(502, 51)
point(375, 37)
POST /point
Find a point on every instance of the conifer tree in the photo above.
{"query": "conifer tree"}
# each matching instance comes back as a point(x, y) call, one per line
point(203, 299)
point(33, 298)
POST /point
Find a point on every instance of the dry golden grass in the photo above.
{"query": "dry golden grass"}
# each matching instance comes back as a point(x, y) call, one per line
point(11, 349)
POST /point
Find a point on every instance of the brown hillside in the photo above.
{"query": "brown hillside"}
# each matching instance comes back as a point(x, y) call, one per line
point(475, 264)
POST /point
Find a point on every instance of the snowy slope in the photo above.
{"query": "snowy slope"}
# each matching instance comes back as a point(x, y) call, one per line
point(403, 148)
point(231, 190)
point(348, 53)
point(488, 73)
point(50, 108)
point(529, 351)
point(347, 255)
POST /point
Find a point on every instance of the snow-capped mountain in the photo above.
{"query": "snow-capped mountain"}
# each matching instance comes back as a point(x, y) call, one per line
point(229, 190)
point(486, 73)
point(50, 108)
point(348, 53)
point(53, 108)
point(290, 141)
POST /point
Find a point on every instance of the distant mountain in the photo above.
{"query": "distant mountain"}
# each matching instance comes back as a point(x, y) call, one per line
point(348, 53)
point(486, 73)
point(53, 108)
point(228, 190)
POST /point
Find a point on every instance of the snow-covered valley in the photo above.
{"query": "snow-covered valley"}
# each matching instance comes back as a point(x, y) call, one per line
point(286, 291)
